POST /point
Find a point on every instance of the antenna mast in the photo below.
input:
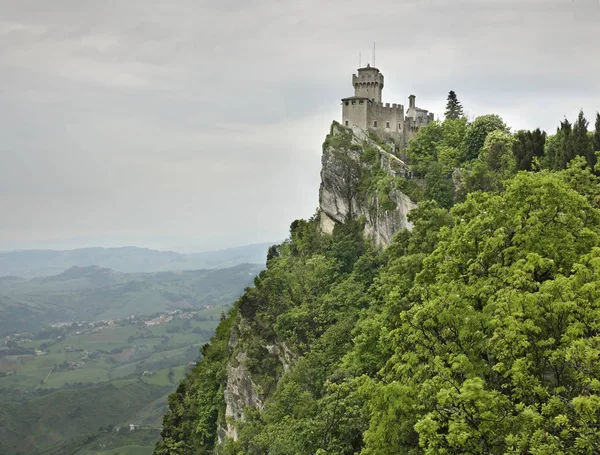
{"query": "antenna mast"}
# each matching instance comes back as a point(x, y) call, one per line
point(373, 54)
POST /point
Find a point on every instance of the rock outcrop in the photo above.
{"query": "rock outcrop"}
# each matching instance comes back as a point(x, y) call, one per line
point(239, 394)
point(360, 179)
point(242, 391)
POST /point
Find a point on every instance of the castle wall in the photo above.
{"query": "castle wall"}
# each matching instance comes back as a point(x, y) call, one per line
point(354, 112)
point(387, 120)
point(412, 125)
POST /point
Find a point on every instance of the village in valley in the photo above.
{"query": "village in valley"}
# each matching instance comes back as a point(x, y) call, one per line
point(156, 350)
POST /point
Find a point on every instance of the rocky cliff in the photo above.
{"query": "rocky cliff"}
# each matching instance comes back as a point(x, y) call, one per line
point(241, 391)
point(361, 178)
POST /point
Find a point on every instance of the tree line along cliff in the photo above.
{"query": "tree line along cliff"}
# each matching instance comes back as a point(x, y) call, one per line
point(443, 301)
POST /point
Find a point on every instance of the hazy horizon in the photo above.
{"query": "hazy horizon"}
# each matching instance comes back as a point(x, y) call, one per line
point(190, 126)
point(233, 247)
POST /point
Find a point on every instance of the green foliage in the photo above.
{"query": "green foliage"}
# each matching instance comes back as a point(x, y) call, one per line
point(67, 414)
point(451, 149)
point(197, 405)
point(596, 139)
point(385, 185)
point(495, 164)
point(454, 109)
point(439, 187)
point(411, 187)
point(475, 332)
point(370, 155)
point(582, 144)
point(560, 148)
point(339, 137)
point(423, 148)
point(477, 133)
point(106, 441)
point(528, 148)
point(476, 365)
point(441, 142)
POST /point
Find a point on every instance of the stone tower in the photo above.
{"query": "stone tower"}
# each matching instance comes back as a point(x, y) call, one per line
point(368, 84)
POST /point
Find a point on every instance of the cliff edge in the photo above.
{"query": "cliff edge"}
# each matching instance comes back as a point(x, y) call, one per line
point(361, 178)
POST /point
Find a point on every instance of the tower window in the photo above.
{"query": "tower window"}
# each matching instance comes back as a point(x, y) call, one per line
point(361, 102)
point(399, 126)
point(375, 123)
point(353, 102)
point(346, 103)
point(346, 122)
point(387, 124)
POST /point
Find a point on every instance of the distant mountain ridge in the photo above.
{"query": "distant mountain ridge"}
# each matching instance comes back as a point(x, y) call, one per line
point(35, 263)
point(96, 293)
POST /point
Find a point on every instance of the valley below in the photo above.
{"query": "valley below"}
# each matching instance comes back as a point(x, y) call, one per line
point(88, 357)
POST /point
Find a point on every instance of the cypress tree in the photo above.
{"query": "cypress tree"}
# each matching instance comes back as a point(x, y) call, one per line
point(567, 150)
point(523, 150)
point(528, 146)
point(581, 140)
point(454, 109)
point(597, 133)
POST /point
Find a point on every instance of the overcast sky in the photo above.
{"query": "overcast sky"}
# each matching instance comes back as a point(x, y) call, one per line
point(195, 124)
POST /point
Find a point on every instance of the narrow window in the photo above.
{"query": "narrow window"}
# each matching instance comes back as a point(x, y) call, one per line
point(346, 122)
point(375, 123)
point(387, 124)
point(399, 126)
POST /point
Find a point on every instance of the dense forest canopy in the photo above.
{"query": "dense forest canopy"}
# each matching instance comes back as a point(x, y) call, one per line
point(477, 332)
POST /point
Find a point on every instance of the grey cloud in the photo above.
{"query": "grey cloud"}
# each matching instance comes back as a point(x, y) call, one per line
point(200, 123)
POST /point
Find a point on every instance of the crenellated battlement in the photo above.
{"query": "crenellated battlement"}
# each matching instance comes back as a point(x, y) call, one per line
point(388, 106)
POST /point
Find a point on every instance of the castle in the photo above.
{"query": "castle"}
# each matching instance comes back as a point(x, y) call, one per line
point(366, 110)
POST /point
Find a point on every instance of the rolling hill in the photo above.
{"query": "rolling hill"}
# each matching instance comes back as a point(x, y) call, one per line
point(35, 263)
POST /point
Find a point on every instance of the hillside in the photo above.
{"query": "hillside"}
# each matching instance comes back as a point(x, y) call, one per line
point(93, 293)
point(472, 328)
point(35, 263)
point(68, 414)
point(91, 332)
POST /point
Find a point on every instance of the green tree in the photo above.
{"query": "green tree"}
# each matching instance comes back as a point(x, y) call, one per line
point(454, 109)
point(487, 356)
point(478, 131)
point(529, 148)
point(581, 141)
point(597, 133)
point(450, 149)
point(560, 148)
point(495, 164)
point(441, 142)
point(422, 149)
point(439, 187)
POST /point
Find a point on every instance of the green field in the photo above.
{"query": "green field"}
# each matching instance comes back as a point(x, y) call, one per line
point(54, 397)
point(98, 351)
point(110, 353)
point(106, 442)
point(129, 450)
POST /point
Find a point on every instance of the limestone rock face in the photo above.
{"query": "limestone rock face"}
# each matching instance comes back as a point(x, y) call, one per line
point(353, 185)
point(241, 391)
